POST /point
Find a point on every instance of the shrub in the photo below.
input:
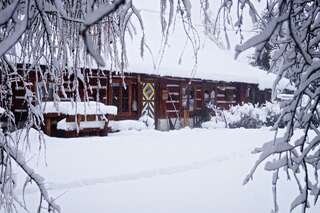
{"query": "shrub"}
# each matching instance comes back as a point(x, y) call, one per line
point(248, 116)
point(246, 121)
point(253, 116)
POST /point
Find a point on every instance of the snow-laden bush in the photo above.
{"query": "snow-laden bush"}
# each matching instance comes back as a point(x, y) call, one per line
point(246, 116)
point(252, 116)
point(247, 121)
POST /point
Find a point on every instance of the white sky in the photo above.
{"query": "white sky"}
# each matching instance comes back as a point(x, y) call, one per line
point(153, 6)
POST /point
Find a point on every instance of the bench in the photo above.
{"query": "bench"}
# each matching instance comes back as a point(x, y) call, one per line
point(85, 121)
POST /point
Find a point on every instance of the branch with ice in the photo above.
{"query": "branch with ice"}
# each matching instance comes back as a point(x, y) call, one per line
point(11, 154)
point(292, 30)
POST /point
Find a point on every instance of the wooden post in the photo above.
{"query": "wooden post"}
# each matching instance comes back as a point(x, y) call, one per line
point(78, 123)
point(185, 118)
point(48, 126)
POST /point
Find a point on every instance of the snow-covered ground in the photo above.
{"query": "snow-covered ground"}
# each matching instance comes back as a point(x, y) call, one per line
point(187, 171)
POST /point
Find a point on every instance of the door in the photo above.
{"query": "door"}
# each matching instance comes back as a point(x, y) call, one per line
point(148, 99)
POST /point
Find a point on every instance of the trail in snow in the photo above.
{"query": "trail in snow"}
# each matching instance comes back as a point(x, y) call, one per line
point(196, 165)
point(186, 171)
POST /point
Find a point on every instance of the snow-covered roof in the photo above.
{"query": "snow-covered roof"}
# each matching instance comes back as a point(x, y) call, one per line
point(213, 62)
point(83, 108)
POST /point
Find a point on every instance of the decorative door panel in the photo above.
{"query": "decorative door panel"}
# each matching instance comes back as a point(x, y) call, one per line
point(148, 99)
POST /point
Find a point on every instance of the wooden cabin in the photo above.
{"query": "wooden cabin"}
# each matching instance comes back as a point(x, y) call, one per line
point(169, 94)
point(165, 99)
point(72, 119)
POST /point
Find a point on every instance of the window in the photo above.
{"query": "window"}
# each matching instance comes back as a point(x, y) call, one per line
point(116, 94)
point(188, 97)
point(50, 91)
point(125, 97)
point(45, 93)
point(229, 95)
point(248, 92)
point(206, 97)
point(134, 104)
point(213, 97)
point(209, 97)
point(41, 91)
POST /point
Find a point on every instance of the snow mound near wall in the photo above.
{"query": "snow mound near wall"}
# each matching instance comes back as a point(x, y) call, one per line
point(127, 125)
point(213, 124)
point(144, 122)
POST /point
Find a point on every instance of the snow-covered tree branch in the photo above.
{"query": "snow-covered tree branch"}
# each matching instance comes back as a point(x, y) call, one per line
point(66, 35)
point(293, 30)
point(59, 34)
point(49, 40)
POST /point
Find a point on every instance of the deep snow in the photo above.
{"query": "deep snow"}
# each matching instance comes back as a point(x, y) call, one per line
point(188, 170)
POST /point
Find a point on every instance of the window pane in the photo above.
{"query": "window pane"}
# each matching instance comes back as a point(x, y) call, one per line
point(50, 91)
point(206, 97)
point(188, 97)
point(229, 96)
point(134, 104)
point(115, 96)
point(125, 99)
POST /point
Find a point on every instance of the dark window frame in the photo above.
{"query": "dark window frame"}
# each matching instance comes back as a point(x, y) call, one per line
point(131, 91)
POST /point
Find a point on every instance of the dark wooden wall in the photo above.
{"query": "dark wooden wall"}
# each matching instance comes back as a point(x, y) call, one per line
point(105, 87)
